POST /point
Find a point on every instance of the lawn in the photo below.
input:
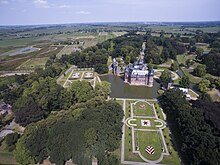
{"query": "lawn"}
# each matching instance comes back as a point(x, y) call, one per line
point(145, 111)
point(149, 139)
point(192, 78)
point(159, 112)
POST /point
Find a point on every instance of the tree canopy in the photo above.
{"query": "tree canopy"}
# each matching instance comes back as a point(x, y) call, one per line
point(195, 136)
point(94, 132)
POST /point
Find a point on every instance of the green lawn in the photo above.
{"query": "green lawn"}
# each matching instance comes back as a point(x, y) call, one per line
point(158, 111)
point(192, 78)
point(149, 139)
point(146, 111)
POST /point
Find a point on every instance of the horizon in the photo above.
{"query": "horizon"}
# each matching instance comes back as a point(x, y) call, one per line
point(43, 12)
point(132, 22)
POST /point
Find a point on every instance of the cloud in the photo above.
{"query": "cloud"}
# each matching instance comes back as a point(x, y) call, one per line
point(83, 12)
point(42, 4)
point(64, 6)
point(4, 2)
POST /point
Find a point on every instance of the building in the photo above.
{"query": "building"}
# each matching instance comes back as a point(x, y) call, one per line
point(116, 68)
point(138, 74)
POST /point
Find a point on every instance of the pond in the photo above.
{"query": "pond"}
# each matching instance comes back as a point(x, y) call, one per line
point(119, 89)
point(21, 51)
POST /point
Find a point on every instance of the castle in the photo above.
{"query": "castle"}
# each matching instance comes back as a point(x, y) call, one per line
point(138, 74)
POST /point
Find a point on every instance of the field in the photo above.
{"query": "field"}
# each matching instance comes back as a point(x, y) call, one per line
point(48, 40)
point(68, 49)
point(33, 63)
point(137, 136)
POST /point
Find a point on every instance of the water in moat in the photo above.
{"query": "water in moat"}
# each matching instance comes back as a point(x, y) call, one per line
point(119, 89)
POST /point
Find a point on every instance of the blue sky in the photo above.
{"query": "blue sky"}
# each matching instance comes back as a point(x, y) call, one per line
point(26, 12)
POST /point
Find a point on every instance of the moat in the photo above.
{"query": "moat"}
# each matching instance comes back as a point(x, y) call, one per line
point(119, 89)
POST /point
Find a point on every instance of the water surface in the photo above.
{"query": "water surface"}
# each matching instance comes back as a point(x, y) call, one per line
point(119, 89)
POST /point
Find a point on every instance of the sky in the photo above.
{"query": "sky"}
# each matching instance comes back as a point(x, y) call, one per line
point(30, 12)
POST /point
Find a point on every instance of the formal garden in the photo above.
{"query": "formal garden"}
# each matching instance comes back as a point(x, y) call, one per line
point(146, 137)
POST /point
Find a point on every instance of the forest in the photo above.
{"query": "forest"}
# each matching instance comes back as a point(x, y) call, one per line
point(194, 127)
point(78, 134)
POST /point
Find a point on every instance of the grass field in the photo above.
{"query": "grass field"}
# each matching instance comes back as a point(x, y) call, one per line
point(68, 49)
point(149, 139)
point(146, 111)
point(33, 63)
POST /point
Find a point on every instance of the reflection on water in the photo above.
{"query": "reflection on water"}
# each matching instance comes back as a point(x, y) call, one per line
point(120, 89)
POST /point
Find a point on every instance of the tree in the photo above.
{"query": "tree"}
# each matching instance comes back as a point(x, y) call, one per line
point(199, 53)
point(204, 85)
point(174, 66)
point(212, 62)
point(184, 82)
point(101, 68)
point(196, 136)
point(82, 91)
point(127, 59)
point(11, 140)
point(103, 89)
point(22, 155)
point(200, 70)
point(165, 77)
point(90, 136)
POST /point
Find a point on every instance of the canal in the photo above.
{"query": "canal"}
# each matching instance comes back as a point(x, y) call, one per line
point(119, 89)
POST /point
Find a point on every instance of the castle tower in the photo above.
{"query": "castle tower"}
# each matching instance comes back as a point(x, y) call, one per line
point(151, 78)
